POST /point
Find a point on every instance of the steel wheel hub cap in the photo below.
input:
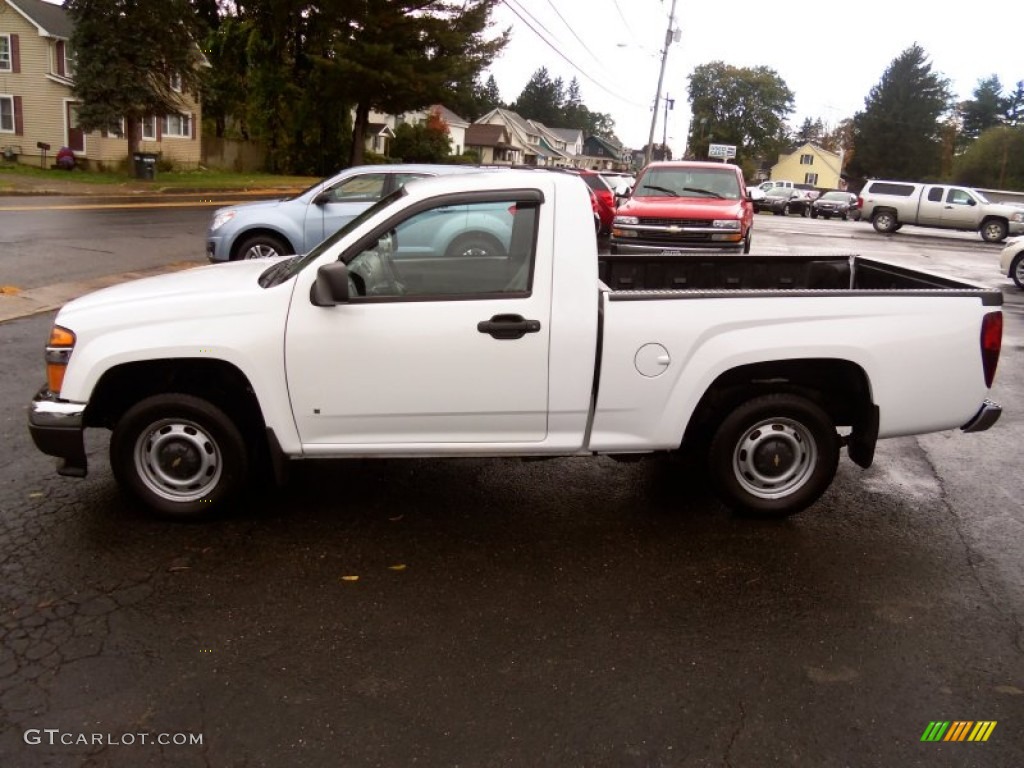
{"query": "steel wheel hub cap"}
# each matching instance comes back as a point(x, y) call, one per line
point(774, 458)
point(178, 460)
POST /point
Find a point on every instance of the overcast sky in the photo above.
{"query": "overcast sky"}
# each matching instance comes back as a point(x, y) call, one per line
point(829, 54)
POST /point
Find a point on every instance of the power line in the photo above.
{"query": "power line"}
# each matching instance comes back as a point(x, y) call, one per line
point(565, 58)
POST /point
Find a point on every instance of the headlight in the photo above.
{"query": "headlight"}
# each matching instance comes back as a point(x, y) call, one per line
point(220, 219)
point(627, 220)
point(1018, 217)
point(725, 224)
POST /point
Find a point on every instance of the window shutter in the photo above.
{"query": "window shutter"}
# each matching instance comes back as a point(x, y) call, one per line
point(15, 55)
point(19, 122)
point(193, 126)
point(159, 127)
point(60, 58)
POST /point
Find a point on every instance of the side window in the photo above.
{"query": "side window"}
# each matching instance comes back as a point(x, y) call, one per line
point(368, 187)
point(399, 180)
point(958, 197)
point(935, 195)
point(463, 250)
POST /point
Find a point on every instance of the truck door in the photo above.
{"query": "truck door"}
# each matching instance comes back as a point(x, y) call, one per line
point(929, 211)
point(422, 359)
point(960, 210)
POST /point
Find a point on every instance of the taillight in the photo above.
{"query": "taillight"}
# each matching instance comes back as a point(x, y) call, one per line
point(991, 343)
point(58, 352)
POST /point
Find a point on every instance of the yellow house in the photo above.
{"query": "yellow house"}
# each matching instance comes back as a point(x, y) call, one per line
point(810, 164)
point(38, 110)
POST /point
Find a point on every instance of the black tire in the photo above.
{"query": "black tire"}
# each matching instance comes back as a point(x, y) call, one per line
point(993, 231)
point(746, 242)
point(885, 222)
point(846, 217)
point(780, 213)
point(1017, 270)
point(474, 245)
point(814, 214)
point(179, 454)
point(767, 430)
point(261, 246)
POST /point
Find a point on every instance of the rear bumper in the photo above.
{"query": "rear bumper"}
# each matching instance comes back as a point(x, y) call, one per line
point(986, 416)
point(57, 428)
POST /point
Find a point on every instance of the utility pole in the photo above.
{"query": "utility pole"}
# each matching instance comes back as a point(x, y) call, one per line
point(669, 104)
point(670, 35)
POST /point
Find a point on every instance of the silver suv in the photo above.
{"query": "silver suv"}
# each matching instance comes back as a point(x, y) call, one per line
point(294, 225)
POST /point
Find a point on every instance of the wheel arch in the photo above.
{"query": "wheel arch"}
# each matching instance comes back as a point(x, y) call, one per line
point(241, 237)
point(217, 381)
point(840, 387)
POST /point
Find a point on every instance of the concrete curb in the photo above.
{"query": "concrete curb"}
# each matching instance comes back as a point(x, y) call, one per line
point(47, 298)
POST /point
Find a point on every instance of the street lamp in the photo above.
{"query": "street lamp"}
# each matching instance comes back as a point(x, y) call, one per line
point(670, 35)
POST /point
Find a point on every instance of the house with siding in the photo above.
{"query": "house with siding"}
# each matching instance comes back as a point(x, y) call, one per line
point(605, 155)
point(534, 148)
point(38, 106)
point(810, 164)
point(492, 144)
point(456, 125)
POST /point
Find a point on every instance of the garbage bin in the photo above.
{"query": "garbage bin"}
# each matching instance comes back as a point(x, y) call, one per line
point(145, 165)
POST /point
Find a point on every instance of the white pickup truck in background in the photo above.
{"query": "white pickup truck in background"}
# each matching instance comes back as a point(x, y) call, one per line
point(377, 344)
point(888, 205)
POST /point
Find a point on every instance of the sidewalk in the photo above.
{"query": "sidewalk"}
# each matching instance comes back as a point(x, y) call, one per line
point(61, 183)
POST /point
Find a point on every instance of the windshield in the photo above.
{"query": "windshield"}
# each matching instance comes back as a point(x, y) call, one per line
point(779, 192)
point(844, 196)
point(689, 182)
point(980, 196)
point(283, 270)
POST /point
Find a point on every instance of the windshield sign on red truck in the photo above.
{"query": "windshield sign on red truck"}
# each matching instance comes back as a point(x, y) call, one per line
point(382, 342)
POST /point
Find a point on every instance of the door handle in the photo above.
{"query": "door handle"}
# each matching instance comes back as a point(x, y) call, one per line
point(508, 326)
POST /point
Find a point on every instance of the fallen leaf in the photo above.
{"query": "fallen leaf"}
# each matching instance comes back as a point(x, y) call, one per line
point(36, 495)
point(397, 567)
point(396, 519)
point(350, 578)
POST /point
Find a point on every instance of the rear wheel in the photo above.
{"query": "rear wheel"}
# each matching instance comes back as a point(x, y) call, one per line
point(774, 455)
point(474, 244)
point(179, 454)
point(746, 243)
point(884, 222)
point(993, 231)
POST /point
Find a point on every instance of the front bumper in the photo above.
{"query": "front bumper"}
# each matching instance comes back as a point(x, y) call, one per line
point(58, 429)
point(217, 248)
point(986, 416)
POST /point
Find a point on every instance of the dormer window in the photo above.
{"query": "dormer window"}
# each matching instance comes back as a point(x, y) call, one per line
point(65, 60)
point(176, 82)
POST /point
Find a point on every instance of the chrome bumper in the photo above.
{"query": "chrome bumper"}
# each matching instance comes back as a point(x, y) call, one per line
point(57, 429)
point(986, 416)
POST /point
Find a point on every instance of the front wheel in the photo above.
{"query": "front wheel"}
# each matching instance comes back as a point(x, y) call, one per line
point(1017, 270)
point(993, 231)
point(261, 247)
point(179, 454)
point(774, 455)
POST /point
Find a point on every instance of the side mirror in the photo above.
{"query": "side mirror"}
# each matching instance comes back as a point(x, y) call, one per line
point(331, 285)
point(323, 198)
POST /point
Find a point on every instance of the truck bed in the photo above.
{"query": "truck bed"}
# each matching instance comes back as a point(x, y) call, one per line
point(718, 272)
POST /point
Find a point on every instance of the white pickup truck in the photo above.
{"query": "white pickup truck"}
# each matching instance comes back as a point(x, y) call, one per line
point(375, 345)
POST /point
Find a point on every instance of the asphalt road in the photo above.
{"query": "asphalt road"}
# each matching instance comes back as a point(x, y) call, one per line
point(574, 612)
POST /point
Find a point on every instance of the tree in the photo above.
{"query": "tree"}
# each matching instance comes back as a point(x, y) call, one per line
point(1015, 106)
point(986, 110)
point(426, 142)
point(737, 105)
point(127, 54)
point(402, 55)
point(995, 160)
point(810, 131)
point(898, 135)
point(542, 99)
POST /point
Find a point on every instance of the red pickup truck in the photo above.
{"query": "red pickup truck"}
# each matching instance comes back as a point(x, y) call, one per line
point(685, 205)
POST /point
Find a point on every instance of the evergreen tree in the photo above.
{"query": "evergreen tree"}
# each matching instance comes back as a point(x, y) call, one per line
point(542, 99)
point(986, 110)
point(126, 55)
point(899, 133)
point(1015, 106)
point(995, 160)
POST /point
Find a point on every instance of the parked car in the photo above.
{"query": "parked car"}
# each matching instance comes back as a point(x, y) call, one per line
point(685, 204)
point(837, 203)
point(783, 201)
point(1011, 261)
point(605, 195)
point(294, 225)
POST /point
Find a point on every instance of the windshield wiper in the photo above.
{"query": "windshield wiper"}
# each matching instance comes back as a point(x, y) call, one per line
point(662, 189)
point(707, 192)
